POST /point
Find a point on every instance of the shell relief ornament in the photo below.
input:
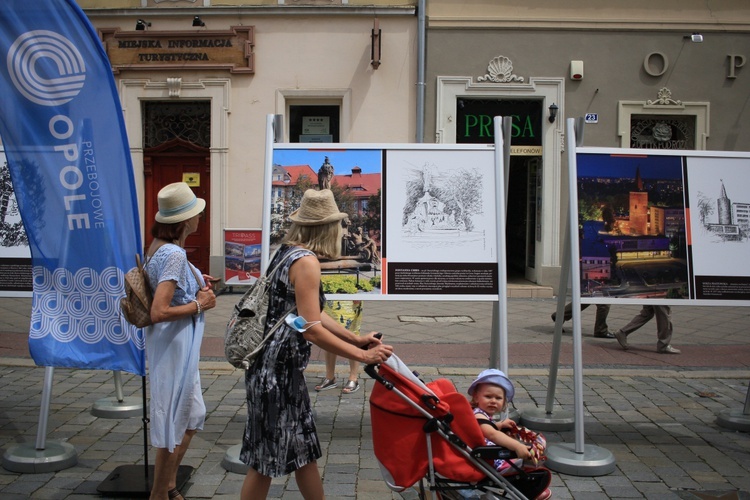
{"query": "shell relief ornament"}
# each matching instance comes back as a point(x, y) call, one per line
point(664, 98)
point(500, 70)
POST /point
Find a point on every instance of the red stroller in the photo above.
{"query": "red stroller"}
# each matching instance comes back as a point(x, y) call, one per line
point(428, 431)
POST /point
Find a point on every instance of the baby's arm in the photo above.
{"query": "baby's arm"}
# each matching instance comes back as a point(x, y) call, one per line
point(502, 439)
point(506, 424)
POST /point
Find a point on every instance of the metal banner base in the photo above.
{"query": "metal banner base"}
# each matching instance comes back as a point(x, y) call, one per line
point(26, 458)
point(133, 481)
point(232, 462)
point(113, 408)
point(539, 420)
point(735, 420)
point(594, 461)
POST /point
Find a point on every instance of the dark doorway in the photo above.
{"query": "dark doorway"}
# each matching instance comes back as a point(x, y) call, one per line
point(474, 125)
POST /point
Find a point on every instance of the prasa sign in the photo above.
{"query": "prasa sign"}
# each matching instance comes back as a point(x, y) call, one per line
point(475, 118)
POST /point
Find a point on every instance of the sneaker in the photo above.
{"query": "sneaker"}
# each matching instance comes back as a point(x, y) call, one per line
point(622, 339)
point(605, 335)
point(668, 349)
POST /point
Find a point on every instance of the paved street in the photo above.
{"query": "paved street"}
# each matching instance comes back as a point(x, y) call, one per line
point(655, 413)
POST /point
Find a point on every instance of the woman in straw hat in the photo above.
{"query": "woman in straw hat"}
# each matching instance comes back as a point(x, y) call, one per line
point(280, 436)
point(173, 342)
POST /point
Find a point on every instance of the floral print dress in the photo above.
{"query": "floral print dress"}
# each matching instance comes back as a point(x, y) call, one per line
point(280, 435)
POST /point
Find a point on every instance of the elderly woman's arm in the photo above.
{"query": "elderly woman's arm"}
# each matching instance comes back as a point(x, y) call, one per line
point(162, 310)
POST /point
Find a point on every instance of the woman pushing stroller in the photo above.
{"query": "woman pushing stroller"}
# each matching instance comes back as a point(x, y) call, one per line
point(490, 393)
point(280, 435)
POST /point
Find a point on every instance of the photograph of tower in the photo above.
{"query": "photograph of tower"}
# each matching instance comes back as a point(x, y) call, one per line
point(631, 218)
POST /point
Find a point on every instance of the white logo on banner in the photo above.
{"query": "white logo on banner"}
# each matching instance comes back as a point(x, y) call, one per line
point(83, 305)
point(46, 67)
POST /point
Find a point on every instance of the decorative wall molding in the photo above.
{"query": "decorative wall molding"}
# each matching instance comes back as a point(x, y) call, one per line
point(174, 85)
point(666, 111)
point(500, 70)
point(664, 98)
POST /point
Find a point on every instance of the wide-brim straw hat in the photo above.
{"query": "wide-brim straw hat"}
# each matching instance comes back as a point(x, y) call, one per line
point(317, 208)
point(177, 203)
point(496, 377)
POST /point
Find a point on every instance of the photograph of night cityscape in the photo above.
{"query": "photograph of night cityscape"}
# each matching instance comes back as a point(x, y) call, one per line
point(632, 233)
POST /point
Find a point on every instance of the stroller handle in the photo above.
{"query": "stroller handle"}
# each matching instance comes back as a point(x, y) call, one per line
point(372, 371)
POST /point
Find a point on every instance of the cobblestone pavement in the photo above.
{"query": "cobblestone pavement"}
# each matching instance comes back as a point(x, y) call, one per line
point(655, 413)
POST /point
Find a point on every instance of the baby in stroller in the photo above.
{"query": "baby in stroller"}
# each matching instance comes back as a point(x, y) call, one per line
point(490, 394)
point(427, 432)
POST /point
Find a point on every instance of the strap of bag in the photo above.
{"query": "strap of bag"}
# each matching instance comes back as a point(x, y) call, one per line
point(276, 268)
point(291, 310)
point(278, 324)
point(195, 274)
point(141, 266)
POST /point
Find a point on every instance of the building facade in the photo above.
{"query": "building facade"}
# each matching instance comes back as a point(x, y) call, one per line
point(643, 74)
point(198, 80)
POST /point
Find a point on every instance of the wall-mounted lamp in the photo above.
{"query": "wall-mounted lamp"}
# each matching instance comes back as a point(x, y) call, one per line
point(552, 112)
point(141, 25)
point(376, 39)
point(695, 37)
point(197, 21)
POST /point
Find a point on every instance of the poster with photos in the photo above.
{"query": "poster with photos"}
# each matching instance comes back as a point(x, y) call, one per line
point(242, 252)
point(663, 226)
point(421, 221)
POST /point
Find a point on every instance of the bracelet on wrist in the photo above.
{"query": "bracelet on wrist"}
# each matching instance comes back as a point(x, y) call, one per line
point(198, 305)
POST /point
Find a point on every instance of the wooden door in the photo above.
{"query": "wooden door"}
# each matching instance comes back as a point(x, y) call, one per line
point(176, 161)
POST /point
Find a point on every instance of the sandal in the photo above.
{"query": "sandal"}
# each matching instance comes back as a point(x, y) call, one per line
point(174, 493)
point(351, 387)
point(327, 383)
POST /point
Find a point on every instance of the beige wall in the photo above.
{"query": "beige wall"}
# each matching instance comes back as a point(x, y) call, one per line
point(305, 59)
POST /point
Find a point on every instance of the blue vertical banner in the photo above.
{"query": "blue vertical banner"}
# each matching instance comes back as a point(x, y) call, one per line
point(64, 136)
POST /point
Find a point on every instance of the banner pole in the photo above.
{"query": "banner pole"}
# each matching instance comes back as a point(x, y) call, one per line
point(41, 431)
point(45, 456)
point(118, 385)
point(548, 419)
point(118, 406)
point(499, 340)
point(580, 459)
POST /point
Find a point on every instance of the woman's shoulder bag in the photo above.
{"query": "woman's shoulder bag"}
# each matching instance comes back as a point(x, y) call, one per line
point(136, 305)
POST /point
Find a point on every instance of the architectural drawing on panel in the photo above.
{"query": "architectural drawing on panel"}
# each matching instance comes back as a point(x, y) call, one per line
point(442, 205)
point(729, 221)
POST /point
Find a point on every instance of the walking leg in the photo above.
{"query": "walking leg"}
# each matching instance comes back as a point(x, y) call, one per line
point(601, 329)
point(663, 326)
point(640, 319)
